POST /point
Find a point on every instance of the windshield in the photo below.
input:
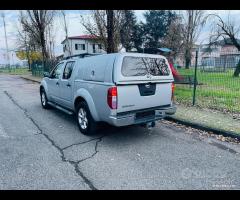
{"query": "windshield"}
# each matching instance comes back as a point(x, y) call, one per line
point(141, 66)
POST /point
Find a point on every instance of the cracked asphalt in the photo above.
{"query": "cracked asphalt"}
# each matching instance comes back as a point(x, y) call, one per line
point(43, 149)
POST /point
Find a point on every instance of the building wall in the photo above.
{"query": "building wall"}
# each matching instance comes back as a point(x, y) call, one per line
point(13, 59)
point(222, 56)
point(88, 47)
point(226, 56)
point(229, 49)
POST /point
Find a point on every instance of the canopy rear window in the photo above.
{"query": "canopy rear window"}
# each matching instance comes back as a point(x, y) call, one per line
point(141, 66)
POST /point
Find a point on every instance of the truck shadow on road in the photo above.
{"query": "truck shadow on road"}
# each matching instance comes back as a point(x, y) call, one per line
point(133, 132)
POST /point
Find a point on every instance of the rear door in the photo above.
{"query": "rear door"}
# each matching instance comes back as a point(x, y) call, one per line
point(143, 81)
point(65, 86)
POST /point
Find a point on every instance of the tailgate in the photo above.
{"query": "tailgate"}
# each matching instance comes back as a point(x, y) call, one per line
point(143, 81)
point(144, 95)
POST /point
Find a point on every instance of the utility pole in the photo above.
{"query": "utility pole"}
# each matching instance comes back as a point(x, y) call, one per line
point(3, 16)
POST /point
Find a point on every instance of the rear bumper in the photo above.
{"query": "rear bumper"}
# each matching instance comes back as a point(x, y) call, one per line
point(130, 119)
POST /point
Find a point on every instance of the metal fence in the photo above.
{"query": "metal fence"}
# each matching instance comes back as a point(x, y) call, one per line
point(38, 68)
point(207, 84)
point(215, 86)
point(14, 69)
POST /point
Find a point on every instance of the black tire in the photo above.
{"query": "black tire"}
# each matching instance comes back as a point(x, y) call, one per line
point(45, 104)
point(91, 125)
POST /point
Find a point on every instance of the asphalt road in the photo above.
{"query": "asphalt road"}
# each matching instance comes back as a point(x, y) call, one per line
point(43, 149)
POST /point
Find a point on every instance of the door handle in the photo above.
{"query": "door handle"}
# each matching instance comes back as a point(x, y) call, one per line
point(57, 83)
point(68, 85)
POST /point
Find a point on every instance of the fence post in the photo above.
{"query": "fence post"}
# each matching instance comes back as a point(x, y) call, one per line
point(195, 79)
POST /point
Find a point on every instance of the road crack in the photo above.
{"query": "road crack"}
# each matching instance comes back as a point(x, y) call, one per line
point(96, 149)
point(79, 143)
point(61, 150)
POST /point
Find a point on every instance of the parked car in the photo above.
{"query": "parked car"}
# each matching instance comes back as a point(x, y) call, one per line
point(120, 89)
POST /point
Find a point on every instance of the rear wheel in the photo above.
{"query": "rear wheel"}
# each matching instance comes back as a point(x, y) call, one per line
point(44, 100)
point(87, 125)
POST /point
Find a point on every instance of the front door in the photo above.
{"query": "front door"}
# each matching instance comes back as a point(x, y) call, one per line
point(53, 83)
point(66, 87)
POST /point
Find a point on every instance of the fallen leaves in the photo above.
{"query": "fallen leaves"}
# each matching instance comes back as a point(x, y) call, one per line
point(202, 134)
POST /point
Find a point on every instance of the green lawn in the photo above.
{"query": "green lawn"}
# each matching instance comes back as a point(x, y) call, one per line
point(14, 71)
point(218, 90)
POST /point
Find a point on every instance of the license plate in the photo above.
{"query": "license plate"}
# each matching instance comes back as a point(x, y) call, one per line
point(160, 113)
point(145, 114)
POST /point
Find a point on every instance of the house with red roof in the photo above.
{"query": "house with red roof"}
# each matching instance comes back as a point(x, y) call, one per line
point(83, 44)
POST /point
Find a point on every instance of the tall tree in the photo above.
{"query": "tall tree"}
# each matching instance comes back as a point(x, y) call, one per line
point(128, 29)
point(65, 27)
point(35, 23)
point(194, 21)
point(226, 29)
point(50, 40)
point(156, 26)
point(24, 45)
point(139, 37)
point(174, 37)
point(106, 25)
point(110, 31)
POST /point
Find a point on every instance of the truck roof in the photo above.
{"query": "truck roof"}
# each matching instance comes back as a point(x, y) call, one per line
point(118, 54)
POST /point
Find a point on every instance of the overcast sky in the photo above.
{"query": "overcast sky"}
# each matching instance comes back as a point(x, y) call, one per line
point(75, 28)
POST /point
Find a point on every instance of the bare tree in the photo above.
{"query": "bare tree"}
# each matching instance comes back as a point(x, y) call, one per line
point(24, 44)
point(128, 30)
point(65, 25)
point(35, 23)
point(174, 38)
point(225, 29)
point(95, 25)
point(110, 31)
point(194, 21)
point(49, 40)
point(106, 26)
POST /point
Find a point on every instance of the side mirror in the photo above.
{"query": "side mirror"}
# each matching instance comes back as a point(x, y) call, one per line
point(46, 74)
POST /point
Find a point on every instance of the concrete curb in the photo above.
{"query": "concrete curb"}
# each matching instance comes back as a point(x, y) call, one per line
point(204, 128)
point(29, 79)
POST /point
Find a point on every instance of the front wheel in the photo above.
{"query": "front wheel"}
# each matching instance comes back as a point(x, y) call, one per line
point(87, 125)
point(44, 100)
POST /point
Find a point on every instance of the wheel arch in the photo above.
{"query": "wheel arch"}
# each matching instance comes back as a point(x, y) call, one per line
point(41, 88)
point(83, 95)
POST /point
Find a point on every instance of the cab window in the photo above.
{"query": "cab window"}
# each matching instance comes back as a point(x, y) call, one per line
point(56, 73)
point(68, 70)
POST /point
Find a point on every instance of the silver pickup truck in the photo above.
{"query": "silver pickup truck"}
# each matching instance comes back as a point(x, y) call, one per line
point(120, 89)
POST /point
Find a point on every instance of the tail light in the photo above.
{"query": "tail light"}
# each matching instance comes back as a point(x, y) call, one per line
point(112, 97)
point(173, 88)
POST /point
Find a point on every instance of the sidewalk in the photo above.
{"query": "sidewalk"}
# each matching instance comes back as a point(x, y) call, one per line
point(31, 78)
point(201, 117)
point(208, 118)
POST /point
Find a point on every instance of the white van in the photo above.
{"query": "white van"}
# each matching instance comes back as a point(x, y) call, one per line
point(120, 89)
